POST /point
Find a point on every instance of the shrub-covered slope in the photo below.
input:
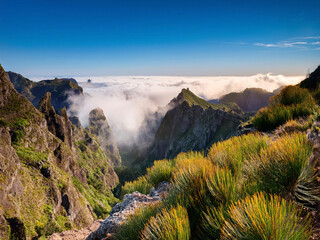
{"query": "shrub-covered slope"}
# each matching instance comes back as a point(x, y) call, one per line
point(53, 175)
point(247, 187)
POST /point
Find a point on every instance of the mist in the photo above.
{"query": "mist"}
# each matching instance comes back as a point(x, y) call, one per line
point(126, 100)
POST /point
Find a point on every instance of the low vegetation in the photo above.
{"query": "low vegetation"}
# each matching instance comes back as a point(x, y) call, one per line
point(247, 187)
point(291, 103)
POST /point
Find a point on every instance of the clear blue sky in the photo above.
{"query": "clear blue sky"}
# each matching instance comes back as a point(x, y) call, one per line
point(162, 37)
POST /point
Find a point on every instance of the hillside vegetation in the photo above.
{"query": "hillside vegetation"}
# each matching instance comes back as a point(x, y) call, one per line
point(245, 188)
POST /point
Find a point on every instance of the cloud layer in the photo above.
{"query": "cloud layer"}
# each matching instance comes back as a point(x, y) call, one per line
point(126, 100)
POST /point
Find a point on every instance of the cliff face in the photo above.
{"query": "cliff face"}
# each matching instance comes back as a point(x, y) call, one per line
point(60, 89)
point(193, 124)
point(53, 175)
point(99, 126)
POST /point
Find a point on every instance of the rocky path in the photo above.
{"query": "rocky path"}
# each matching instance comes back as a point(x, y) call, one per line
point(81, 234)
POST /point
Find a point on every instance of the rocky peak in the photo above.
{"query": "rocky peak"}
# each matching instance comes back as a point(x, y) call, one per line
point(59, 126)
point(99, 126)
point(193, 124)
point(97, 117)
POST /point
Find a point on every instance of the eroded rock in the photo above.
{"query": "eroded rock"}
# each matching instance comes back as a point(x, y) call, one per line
point(123, 210)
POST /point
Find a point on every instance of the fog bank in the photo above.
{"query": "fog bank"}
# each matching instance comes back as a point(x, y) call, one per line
point(126, 100)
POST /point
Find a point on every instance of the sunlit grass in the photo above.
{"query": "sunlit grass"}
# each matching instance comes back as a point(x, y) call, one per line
point(279, 166)
point(172, 224)
point(264, 217)
point(234, 151)
point(141, 185)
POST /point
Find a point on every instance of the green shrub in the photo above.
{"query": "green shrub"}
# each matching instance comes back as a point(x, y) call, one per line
point(269, 118)
point(307, 191)
point(292, 102)
point(160, 171)
point(278, 167)
point(141, 185)
point(263, 217)
point(170, 224)
point(223, 186)
point(234, 151)
point(292, 95)
point(212, 222)
point(29, 156)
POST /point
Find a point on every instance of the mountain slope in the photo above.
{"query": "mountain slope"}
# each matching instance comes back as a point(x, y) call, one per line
point(53, 175)
point(251, 99)
point(193, 124)
point(60, 89)
point(312, 82)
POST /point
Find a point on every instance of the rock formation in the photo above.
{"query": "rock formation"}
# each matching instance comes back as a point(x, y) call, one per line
point(53, 175)
point(60, 89)
point(194, 124)
point(122, 211)
point(98, 125)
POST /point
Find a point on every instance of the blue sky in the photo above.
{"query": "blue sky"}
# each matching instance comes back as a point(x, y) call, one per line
point(146, 37)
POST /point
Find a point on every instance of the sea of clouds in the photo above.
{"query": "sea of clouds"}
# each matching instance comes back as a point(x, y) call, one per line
point(126, 100)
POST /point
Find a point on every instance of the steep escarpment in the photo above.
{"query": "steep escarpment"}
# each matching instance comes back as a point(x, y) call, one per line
point(193, 124)
point(53, 175)
point(99, 126)
point(60, 89)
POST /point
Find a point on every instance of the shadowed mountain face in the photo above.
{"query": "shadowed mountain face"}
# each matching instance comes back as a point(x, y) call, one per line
point(194, 124)
point(53, 175)
point(60, 89)
point(312, 82)
point(250, 100)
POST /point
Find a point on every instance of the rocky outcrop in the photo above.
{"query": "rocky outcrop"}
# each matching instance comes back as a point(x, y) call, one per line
point(60, 89)
point(53, 175)
point(58, 125)
point(194, 124)
point(98, 125)
point(122, 211)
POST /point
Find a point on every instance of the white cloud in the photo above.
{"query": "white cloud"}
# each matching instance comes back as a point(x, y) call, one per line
point(313, 37)
point(126, 99)
point(306, 44)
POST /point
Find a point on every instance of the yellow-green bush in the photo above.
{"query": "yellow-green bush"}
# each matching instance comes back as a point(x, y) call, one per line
point(278, 167)
point(160, 171)
point(265, 217)
point(234, 151)
point(141, 185)
point(172, 224)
